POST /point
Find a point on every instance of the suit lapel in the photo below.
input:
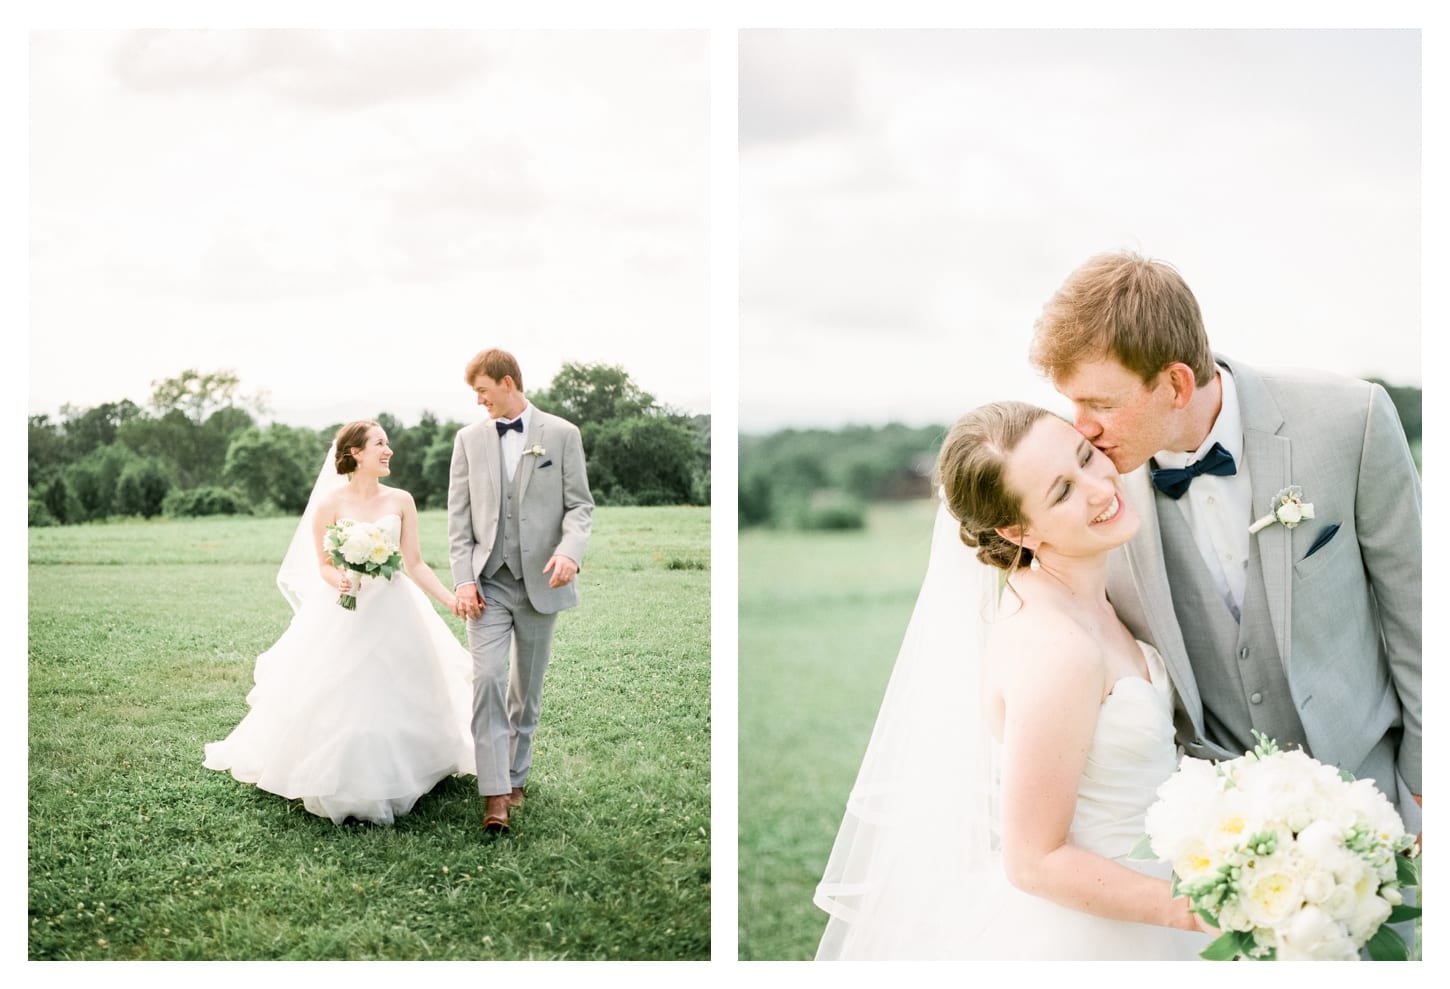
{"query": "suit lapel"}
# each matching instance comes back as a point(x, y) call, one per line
point(492, 461)
point(528, 462)
point(1144, 554)
point(1268, 461)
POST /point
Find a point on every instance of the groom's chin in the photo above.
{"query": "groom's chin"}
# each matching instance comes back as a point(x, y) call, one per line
point(1121, 463)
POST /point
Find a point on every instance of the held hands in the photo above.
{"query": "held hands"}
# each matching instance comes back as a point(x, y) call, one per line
point(466, 602)
point(564, 570)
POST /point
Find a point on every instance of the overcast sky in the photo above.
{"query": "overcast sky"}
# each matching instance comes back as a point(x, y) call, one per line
point(343, 218)
point(909, 200)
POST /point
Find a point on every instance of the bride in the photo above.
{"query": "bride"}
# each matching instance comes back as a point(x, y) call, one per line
point(358, 713)
point(1024, 731)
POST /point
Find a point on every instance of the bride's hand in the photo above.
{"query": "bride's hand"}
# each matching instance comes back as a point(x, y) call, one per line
point(343, 584)
point(1203, 926)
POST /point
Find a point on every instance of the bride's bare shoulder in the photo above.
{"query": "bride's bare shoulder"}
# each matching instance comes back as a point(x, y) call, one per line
point(330, 503)
point(1032, 638)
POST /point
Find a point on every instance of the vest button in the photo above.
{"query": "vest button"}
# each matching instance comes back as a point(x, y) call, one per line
point(1256, 698)
point(1244, 653)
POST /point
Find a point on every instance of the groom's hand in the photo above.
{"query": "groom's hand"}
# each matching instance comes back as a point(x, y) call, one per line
point(564, 570)
point(466, 602)
point(1419, 804)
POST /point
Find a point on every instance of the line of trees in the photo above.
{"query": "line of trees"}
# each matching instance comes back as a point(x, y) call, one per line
point(197, 448)
point(825, 479)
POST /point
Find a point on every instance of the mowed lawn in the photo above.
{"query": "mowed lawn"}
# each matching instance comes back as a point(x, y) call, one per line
point(821, 618)
point(142, 639)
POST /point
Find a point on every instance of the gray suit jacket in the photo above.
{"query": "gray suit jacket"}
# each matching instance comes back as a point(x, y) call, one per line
point(1346, 619)
point(555, 507)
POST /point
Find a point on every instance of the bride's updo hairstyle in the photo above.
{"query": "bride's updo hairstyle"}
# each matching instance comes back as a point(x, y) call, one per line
point(353, 436)
point(971, 465)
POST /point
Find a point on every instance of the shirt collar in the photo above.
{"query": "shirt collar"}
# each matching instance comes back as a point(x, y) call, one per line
point(1228, 429)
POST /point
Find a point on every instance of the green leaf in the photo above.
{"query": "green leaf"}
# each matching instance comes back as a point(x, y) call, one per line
point(1387, 946)
point(1225, 948)
point(1405, 871)
point(1143, 850)
point(1402, 913)
point(1346, 775)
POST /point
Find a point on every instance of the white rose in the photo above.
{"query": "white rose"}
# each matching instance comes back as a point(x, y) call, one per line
point(1369, 914)
point(1312, 935)
point(1177, 823)
point(1373, 808)
point(1271, 893)
point(1317, 887)
point(358, 545)
point(1289, 513)
point(380, 551)
point(1233, 916)
point(1340, 902)
point(1193, 860)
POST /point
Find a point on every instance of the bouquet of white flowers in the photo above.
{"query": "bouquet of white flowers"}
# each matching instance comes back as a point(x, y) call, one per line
point(361, 547)
point(1290, 858)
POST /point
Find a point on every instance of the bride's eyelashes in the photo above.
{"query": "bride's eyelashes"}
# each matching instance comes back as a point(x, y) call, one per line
point(1086, 458)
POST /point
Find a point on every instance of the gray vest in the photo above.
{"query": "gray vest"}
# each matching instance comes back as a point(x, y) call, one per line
point(506, 551)
point(1236, 662)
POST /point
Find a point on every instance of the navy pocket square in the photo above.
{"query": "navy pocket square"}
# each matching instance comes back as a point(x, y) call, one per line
point(1321, 540)
point(546, 463)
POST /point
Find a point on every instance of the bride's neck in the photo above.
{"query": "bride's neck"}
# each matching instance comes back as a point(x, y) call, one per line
point(363, 485)
point(1085, 579)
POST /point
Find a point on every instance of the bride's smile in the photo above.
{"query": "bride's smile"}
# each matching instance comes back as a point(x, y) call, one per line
point(1111, 512)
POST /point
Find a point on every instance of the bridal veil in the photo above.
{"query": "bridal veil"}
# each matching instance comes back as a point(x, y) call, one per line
point(298, 575)
point(915, 860)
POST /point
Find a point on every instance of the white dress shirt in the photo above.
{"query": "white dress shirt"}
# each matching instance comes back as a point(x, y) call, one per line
point(1219, 509)
point(511, 444)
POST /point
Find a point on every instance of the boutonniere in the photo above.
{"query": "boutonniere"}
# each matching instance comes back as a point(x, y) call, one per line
point(1289, 510)
point(535, 451)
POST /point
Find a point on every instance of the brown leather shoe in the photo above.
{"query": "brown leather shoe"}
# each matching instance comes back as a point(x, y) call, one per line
point(516, 797)
point(496, 814)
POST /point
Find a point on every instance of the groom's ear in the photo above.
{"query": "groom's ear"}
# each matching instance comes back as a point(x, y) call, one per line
point(1183, 382)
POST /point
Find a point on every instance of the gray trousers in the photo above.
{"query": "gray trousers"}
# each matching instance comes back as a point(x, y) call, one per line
point(506, 697)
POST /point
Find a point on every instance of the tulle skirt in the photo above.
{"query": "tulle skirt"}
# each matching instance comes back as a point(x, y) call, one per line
point(990, 919)
point(358, 713)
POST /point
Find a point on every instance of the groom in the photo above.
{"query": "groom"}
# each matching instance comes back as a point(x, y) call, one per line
point(519, 513)
point(1308, 631)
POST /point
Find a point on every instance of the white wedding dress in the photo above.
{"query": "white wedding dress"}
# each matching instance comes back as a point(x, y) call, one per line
point(916, 872)
point(1132, 753)
point(358, 713)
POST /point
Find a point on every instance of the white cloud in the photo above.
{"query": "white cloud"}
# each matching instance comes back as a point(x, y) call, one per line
point(1279, 171)
point(281, 202)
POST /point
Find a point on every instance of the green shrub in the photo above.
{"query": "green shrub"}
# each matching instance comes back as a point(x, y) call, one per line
point(39, 514)
point(832, 510)
point(208, 500)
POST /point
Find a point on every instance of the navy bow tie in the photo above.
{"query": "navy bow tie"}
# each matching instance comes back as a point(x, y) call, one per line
point(504, 427)
point(1174, 481)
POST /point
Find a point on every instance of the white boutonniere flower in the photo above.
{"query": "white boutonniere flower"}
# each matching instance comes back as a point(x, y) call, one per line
point(1289, 509)
point(535, 451)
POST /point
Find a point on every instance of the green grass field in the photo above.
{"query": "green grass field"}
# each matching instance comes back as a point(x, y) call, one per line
point(821, 618)
point(142, 642)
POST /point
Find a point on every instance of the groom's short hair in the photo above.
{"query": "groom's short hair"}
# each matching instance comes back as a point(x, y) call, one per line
point(496, 364)
point(1128, 307)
